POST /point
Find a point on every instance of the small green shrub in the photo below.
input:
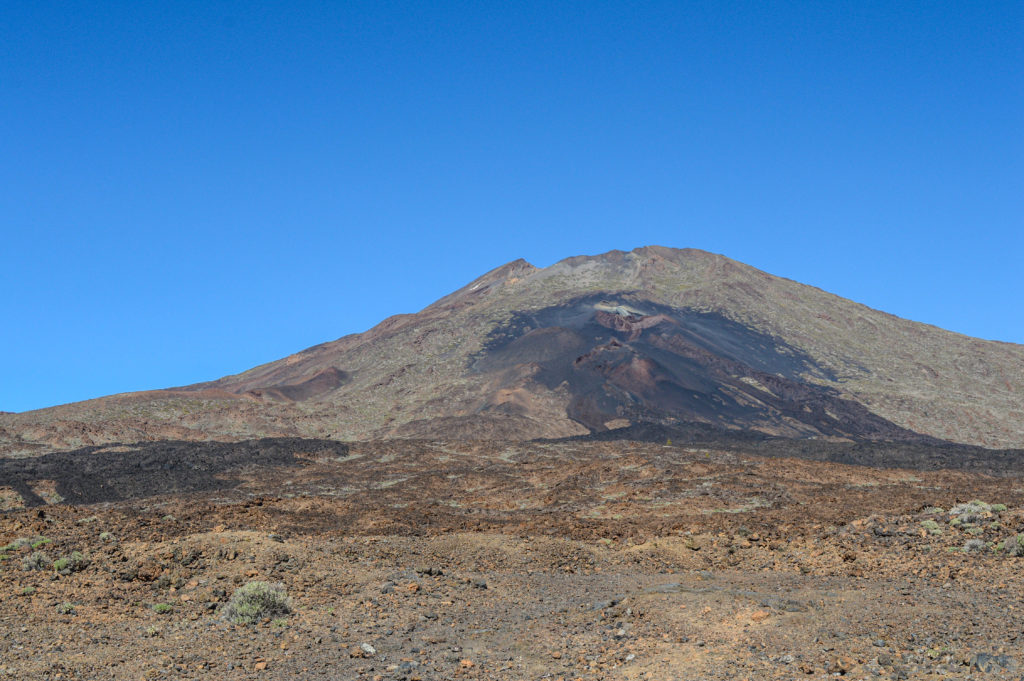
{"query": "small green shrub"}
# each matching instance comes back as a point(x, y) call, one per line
point(14, 545)
point(37, 560)
point(65, 565)
point(162, 608)
point(931, 526)
point(973, 545)
point(106, 536)
point(998, 508)
point(22, 542)
point(27, 591)
point(66, 608)
point(1014, 546)
point(256, 600)
point(971, 512)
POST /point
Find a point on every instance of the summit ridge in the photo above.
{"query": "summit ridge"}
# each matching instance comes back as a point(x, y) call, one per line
point(590, 344)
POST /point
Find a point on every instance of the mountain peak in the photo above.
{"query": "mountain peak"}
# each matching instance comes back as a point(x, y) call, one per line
point(657, 336)
point(483, 286)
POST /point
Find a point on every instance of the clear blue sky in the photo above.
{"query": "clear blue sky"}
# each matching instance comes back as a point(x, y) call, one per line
point(188, 189)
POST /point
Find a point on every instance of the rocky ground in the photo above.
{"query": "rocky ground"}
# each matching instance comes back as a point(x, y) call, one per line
point(489, 560)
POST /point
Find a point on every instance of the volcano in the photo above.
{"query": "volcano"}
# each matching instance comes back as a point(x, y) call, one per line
point(593, 345)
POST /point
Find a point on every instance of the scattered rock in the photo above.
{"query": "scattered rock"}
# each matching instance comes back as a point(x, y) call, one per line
point(988, 663)
point(429, 570)
point(603, 605)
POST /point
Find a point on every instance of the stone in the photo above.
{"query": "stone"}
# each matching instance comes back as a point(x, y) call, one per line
point(988, 663)
point(431, 570)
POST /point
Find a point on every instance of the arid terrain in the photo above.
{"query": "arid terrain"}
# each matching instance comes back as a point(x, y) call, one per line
point(591, 343)
point(572, 559)
point(659, 465)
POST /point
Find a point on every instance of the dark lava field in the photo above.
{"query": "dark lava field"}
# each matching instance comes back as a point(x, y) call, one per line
point(675, 555)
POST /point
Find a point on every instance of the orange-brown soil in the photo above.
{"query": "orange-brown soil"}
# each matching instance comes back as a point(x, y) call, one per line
point(417, 560)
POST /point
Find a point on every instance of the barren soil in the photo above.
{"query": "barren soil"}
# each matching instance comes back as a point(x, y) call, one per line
point(507, 560)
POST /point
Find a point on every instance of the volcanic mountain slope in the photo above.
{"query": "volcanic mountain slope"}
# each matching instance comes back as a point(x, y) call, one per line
point(593, 343)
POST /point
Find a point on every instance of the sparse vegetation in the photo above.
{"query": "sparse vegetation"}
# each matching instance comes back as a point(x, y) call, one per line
point(37, 560)
point(20, 543)
point(162, 598)
point(973, 546)
point(971, 512)
point(66, 608)
point(106, 537)
point(15, 545)
point(74, 562)
point(256, 600)
point(1014, 546)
